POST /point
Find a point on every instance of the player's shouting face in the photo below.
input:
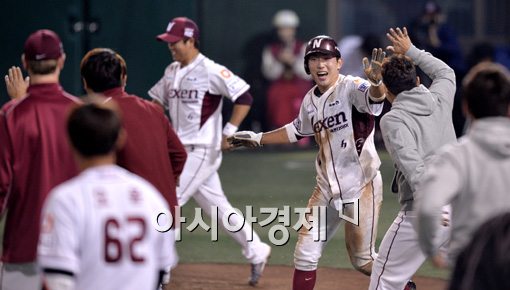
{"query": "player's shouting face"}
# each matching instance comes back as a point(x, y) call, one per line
point(324, 69)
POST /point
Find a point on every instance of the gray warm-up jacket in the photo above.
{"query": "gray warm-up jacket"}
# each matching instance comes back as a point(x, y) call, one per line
point(419, 122)
point(473, 176)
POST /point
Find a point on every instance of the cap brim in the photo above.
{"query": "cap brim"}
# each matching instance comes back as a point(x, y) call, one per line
point(168, 38)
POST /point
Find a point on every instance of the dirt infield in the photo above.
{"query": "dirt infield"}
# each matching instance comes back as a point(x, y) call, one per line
point(230, 276)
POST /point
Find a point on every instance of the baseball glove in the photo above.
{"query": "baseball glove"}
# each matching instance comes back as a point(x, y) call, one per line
point(245, 139)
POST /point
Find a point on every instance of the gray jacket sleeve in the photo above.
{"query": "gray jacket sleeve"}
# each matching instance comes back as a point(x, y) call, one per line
point(442, 181)
point(443, 77)
point(403, 149)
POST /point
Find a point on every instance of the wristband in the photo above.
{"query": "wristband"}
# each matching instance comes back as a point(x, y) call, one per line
point(290, 133)
point(374, 84)
point(378, 100)
point(229, 129)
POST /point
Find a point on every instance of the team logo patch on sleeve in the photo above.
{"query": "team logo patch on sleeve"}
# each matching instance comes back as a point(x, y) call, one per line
point(363, 87)
point(297, 124)
point(225, 73)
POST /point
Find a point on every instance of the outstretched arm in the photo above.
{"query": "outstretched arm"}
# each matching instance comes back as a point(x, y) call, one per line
point(251, 139)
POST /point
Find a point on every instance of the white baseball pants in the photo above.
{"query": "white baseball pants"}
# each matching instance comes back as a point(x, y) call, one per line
point(200, 180)
point(359, 239)
point(24, 276)
point(400, 255)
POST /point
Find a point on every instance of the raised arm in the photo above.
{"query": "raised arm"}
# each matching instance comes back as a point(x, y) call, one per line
point(373, 69)
point(443, 77)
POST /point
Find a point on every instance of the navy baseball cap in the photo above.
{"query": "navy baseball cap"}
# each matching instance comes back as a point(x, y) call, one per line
point(178, 29)
point(43, 44)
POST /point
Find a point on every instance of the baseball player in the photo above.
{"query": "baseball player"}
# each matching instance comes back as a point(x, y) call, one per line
point(473, 174)
point(34, 155)
point(338, 111)
point(419, 122)
point(192, 89)
point(98, 228)
point(105, 71)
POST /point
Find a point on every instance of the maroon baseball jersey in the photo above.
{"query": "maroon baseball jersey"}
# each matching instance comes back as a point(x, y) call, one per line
point(35, 156)
point(150, 140)
point(7, 105)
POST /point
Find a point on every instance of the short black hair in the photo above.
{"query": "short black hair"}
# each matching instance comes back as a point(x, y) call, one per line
point(93, 129)
point(102, 69)
point(399, 74)
point(486, 90)
point(196, 43)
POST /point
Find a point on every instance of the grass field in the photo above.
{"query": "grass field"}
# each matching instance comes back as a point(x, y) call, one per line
point(269, 178)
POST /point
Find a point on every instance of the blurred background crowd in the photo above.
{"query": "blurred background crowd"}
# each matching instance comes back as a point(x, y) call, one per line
point(262, 41)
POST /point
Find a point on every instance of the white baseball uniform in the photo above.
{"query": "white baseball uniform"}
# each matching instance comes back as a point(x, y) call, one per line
point(347, 168)
point(194, 97)
point(100, 227)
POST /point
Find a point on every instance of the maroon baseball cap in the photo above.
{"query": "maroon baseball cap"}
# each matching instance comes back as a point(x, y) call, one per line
point(42, 45)
point(179, 28)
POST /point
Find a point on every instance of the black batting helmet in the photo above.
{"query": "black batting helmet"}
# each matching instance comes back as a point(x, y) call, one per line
point(321, 44)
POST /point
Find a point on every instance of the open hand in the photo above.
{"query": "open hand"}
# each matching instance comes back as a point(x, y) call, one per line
point(16, 85)
point(399, 39)
point(374, 67)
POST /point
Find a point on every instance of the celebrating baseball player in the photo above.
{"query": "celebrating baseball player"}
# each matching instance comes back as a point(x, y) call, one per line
point(339, 112)
point(98, 230)
point(35, 155)
point(104, 71)
point(472, 175)
point(192, 89)
point(419, 122)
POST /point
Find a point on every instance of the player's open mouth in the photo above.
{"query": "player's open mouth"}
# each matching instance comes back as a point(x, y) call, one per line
point(322, 75)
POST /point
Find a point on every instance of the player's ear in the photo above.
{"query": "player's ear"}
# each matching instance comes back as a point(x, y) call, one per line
point(192, 41)
point(24, 62)
point(123, 80)
point(466, 111)
point(121, 140)
point(85, 86)
point(418, 81)
point(339, 63)
point(61, 60)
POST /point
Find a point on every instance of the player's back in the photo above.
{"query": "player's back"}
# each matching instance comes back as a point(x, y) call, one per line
point(99, 227)
point(37, 158)
point(147, 127)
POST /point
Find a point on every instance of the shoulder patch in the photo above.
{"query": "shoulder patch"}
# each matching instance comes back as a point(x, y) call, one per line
point(225, 73)
point(363, 87)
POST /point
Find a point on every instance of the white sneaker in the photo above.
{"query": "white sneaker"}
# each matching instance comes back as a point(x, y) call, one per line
point(257, 269)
